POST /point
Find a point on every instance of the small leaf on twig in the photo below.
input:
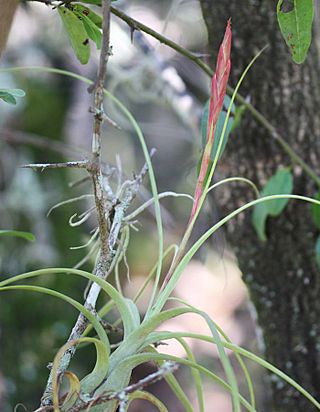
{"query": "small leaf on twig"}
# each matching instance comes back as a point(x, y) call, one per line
point(77, 34)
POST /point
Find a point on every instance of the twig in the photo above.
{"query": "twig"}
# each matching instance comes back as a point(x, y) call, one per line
point(136, 25)
point(42, 166)
point(94, 169)
point(18, 137)
point(121, 396)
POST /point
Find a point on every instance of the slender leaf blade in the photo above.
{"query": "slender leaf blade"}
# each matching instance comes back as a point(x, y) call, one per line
point(24, 235)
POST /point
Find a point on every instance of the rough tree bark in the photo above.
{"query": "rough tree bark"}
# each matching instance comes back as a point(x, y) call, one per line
point(281, 275)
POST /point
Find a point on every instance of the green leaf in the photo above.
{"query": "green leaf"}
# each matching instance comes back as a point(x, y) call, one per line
point(240, 110)
point(219, 126)
point(317, 251)
point(94, 17)
point(280, 183)
point(77, 34)
point(259, 218)
point(296, 26)
point(96, 2)
point(24, 235)
point(9, 95)
point(92, 30)
point(316, 212)
point(96, 377)
point(88, 383)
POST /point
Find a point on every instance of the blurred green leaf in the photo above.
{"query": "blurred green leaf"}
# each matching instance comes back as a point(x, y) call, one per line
point(296, 26)
point(9, 95)
point(92, 30)
point(219, 126)
point(24, 235)
point(316, 212)
point(317, 251)
point(94, 17)
point(96, 2)
point(280, 183)
point(77, 34)
point(240, 110)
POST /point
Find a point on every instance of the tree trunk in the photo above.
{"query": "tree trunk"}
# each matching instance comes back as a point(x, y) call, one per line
point(281, 274)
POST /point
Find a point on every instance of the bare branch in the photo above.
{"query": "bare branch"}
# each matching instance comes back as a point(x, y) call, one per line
point(94, 168)
point(42, 166)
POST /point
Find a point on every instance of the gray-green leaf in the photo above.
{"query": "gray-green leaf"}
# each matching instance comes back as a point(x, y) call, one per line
point(296, 27)
point(9, 95)
point(280, 183)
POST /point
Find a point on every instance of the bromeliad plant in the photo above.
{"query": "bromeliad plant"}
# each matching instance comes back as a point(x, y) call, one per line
point(107, 387)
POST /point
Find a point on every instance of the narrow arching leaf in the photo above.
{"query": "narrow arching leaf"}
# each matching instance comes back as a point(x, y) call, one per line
point(91, 381)
point(280, 183)
point(150, 398)
point(94, 379)
point(296, 26)
point(73, 392)
point(77, 34)
point(24, 235)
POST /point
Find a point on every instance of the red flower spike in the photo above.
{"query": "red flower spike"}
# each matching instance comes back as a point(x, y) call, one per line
point(218, 92)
